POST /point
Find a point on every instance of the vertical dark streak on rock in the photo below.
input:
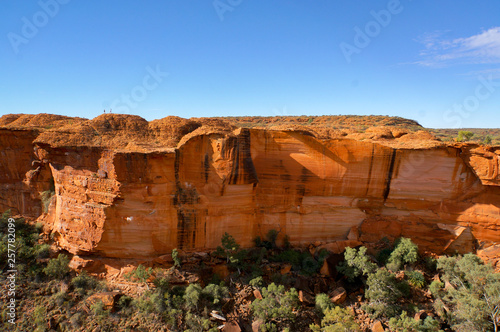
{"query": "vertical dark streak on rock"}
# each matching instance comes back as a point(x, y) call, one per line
point(207, 167)
point(389, 175)
point(370, 171)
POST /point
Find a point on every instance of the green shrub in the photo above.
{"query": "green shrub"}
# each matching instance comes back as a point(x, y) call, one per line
point(323, 303)
point(464, 136)
point(99, 311)
point(405, 252)
point(230, 250)
point(40, 316)
point(356, 264)
point(139, 274)
point(215, 293)
point(57, 267)
point(59, 298)
point(383, 292)
point(149, 303)
point(41, 250)
point(487, 140)
point(403, 323)
point(192, 296)
point(436, 287)
point(337, 319)
point(256, 282)
point(416, 279)
point(269, 242)
point(84, 281)
point(276, 305)
point(474, 299)
point(176, 258)
point(309, 265)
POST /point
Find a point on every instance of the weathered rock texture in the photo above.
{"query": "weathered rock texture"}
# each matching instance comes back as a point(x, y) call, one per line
point(118, 186)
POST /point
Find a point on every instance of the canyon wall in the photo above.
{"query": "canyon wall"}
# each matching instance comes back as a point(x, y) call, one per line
point(117, 202)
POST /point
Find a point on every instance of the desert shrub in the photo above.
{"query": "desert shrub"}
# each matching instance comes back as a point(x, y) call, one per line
point(139, 274)
point(162, 284)
point(436, 288)
point(192, 296)
point(323, 303)
point(464, 136)
point(270, 240)
point(197, 323)
point(59, 298)
point(277, 305)
point(230, 250)
point(27, 248)
point(309, 265)
point(404, 323)
point(487, 140)
point(256, 282)
point(215, 293)
point(99, 311)
point(415, 278)
point(383, 292)
point(84, 282)
point(41, 250)
point(40, 317)
point(149, 302)
point(356, 264)
point(474, 299)
point(337, 319)
point(405, 252)
point(291, 256)
point(176, 258)
point(57, 267)
point(124, 302)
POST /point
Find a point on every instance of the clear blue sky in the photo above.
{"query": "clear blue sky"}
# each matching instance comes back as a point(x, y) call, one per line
point(437, 62)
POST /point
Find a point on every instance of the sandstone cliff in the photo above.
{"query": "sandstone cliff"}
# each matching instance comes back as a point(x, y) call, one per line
point(119, 186)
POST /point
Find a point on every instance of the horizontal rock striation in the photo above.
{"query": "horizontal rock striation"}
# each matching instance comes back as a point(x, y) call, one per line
point(146, 193)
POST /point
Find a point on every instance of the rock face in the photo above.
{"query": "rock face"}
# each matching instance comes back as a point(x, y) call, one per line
point(136, 198)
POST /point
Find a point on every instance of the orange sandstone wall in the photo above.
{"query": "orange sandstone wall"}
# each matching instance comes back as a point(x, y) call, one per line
point(137, 204)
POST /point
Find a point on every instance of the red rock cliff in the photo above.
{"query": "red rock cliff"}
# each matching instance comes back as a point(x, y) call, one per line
point(122, 187)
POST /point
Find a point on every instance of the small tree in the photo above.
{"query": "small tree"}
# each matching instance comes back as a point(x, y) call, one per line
point(404, 323)
point(337, 319)
point(405, 252)
point(356, 263)
point(230, 250)
point(464, 136)
point(487, 140)
point(141, 274)
point(176, 258)
point(383, 292)
point(277, 305)
point(475, 295)
point(57, 267)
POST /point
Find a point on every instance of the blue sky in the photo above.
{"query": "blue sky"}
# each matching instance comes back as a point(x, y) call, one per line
point(437, 62)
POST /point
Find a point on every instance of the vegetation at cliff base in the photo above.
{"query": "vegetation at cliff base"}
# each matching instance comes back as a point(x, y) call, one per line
point(265, 288)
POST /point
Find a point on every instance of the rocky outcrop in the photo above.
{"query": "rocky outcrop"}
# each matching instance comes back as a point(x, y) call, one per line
point(140, 194)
